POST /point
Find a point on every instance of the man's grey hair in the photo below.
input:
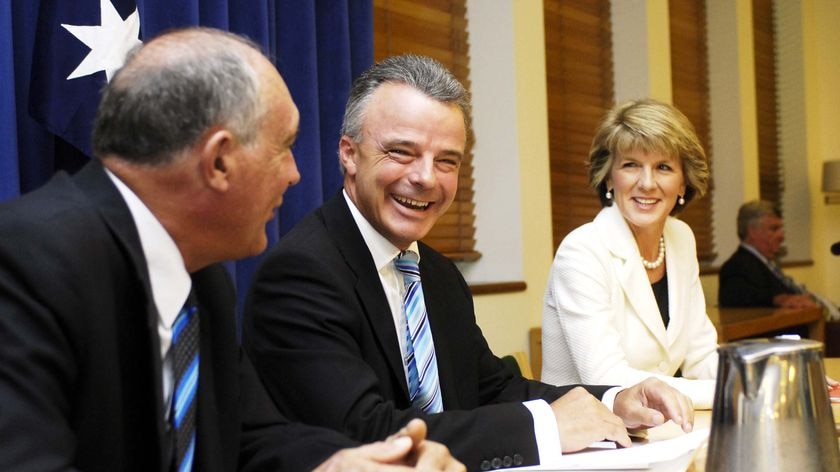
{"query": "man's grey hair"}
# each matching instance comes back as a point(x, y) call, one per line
point(173, 89)
point(420, 72)
point(752, 212)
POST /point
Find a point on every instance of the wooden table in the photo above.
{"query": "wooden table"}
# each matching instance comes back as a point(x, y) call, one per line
point(738, 323)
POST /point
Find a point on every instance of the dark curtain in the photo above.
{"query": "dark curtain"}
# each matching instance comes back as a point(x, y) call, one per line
point(318, 47)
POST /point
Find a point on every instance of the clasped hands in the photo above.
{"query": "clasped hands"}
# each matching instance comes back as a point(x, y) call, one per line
point(582, 419)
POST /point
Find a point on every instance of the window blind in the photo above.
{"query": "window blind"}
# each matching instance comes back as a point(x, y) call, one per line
point(579, 70)
point(690, 89)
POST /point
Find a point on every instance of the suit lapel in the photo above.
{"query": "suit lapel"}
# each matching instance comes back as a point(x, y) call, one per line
point(630, 272)
point(677, 278)
point(98, 187)
point(347, 237)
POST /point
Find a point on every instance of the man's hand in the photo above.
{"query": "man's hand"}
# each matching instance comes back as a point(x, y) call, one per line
point(404, 451)
point(652, 403)
point(582, 420)
point(794, 300)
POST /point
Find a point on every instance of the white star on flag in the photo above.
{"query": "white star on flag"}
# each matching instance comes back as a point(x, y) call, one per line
point(108, 43)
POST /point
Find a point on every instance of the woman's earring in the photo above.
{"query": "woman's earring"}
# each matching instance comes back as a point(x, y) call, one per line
point(681, 200)
point(608, 195)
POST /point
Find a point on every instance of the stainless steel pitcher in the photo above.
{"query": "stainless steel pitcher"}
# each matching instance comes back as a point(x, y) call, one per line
point(771, 410)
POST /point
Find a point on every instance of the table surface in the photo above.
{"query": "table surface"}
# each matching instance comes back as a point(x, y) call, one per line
point(737, 323)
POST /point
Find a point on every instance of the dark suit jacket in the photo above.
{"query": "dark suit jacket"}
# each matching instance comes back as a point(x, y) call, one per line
point(322, 337)
point(80, 369)
point(746, 281)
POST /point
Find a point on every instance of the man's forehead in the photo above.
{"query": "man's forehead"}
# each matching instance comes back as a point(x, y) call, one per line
point(771, 221)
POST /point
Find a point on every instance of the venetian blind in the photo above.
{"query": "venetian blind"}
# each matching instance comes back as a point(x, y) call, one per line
point(579, 81)
point(770, 178)
point(690, 89)
point(438, 29)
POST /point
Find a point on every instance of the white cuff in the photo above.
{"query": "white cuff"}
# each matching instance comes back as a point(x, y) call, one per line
point(609, 397)
point(545, 431)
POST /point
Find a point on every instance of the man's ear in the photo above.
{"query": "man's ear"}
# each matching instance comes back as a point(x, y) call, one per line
point(216, 160)
point(348, 154)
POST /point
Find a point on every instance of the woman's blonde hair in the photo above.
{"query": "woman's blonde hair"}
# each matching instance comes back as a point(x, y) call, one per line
point(650, 126)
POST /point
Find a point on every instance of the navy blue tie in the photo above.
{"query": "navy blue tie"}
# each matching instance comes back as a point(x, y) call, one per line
point(185, 335)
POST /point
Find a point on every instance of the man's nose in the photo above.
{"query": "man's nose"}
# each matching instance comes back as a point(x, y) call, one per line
point(423, 171)
point(294, 176)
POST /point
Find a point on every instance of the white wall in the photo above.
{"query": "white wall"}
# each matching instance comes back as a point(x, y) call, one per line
point(496, 152)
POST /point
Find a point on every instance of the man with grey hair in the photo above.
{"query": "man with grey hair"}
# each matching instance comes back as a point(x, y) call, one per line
point(751, 276)
point(343, 301)
point(119, 347)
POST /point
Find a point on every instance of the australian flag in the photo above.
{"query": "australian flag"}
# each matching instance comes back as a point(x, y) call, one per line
point(78, 47)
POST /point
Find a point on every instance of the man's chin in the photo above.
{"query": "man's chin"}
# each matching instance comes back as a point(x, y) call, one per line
point(404, 238)
point(258, 247)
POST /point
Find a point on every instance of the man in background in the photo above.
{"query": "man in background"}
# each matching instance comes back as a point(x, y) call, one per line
point(751, 276)
point(117, 332)
point(356, 325)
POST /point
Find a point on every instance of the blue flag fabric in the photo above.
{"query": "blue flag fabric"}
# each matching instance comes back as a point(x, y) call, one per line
point(67, 73)
point(9, 175)
point(55, 54)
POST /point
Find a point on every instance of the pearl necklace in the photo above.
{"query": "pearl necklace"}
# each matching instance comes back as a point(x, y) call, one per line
point(659, 259)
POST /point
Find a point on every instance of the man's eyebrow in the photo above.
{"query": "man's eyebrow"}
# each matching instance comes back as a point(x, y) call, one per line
point(398, 142)
point(290, 141)
point(453, 153)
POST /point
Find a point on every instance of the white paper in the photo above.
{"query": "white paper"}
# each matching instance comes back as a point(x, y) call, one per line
point(667, 455)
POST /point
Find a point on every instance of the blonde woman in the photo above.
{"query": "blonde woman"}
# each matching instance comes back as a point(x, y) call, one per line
point(624, 300)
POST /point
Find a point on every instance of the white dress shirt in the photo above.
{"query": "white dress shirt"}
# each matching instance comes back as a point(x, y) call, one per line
point(170, 282)
point(383, 252)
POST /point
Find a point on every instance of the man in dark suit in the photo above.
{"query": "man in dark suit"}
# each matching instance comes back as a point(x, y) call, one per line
point(332, 340)
point(193, 141)
point(750, 277)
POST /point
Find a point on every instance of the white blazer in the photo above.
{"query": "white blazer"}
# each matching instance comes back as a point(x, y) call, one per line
point(601, 323)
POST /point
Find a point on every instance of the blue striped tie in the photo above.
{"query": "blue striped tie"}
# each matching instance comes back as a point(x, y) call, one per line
point(423, 382)
point(185, 370)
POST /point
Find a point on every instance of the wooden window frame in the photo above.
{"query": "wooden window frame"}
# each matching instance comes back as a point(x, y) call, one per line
point(579, 83)
point(690, 94)
point(770, 172)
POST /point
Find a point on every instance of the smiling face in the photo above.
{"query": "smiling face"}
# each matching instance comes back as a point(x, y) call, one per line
point(645, 187)
point(403, 174)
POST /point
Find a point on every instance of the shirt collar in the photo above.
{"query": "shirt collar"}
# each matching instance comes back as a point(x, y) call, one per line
point(382, 250)
point(756, 253)
point(168, 277)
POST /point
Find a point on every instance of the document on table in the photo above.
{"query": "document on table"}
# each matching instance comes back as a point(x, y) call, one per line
point(669, 455)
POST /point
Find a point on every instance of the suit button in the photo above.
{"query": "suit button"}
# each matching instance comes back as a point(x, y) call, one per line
point(497, 463)
point(663, 366)
point(517, 459)
point(485, 465)
point(507, 461)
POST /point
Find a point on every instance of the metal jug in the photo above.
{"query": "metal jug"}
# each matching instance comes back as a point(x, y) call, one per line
point(771, 410)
